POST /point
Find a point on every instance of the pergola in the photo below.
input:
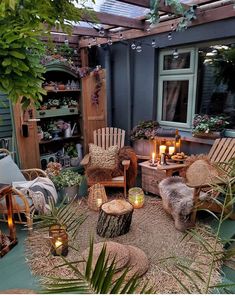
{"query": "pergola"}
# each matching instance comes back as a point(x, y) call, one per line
point(118, 27)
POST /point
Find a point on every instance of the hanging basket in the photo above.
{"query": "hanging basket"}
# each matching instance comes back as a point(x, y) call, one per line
point(97, 196)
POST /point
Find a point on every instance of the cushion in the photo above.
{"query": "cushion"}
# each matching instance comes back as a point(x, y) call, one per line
point(9, 171)
point(103, 158)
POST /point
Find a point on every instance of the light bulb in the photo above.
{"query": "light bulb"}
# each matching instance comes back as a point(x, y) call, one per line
point(133, 45)
point(120, 36)
point(66, 41)
point(110, 42)
point(99, 45)
point(101, 31)
point(75, 51)
point(89, 45)
point(175, 54)
point(153, 43)
point(169, 36)
point(138, 48)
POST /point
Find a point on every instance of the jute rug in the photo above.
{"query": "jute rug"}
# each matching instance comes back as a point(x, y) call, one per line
point(153, 231)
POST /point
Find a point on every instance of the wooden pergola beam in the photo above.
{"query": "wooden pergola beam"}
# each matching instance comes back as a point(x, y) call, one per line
point(114, 20)
point(83, 31)
point(207, 16)
point(146, 4)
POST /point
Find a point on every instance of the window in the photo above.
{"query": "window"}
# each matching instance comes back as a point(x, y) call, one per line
point(216, 82)
point(176, 91)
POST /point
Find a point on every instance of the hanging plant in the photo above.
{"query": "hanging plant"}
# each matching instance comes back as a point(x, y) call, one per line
point(98, 80)
point(178, 9)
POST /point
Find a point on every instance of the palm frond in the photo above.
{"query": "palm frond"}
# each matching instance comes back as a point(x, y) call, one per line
point(98, 280)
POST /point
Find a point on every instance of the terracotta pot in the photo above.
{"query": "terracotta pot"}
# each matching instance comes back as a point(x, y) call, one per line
point(143, 147)
point(61, 86)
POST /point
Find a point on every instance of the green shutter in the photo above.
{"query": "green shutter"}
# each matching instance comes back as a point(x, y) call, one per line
point(5, 117)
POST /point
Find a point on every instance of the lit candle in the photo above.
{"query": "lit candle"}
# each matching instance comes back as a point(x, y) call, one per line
point(58, 247)
point(171, 150)
point(162, 149)
point(99, 202)
point(153, 157)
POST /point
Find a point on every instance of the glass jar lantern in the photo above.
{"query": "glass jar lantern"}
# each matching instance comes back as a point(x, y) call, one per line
point(58, 240)
point(136, 197)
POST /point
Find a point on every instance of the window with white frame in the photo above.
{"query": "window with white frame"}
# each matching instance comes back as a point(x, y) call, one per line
point(176, 89)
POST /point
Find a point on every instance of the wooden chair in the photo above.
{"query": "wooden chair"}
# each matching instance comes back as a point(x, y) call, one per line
point(24, 207)
point(222, 151)
point(106, 137)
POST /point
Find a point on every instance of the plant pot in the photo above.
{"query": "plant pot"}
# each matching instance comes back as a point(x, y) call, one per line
point(211, 135)
point(71, 193)
point(143, 147)
point(74, 161)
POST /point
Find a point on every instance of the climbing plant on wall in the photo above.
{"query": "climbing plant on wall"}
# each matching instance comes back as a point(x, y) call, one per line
point(22, 24)
point(187, 15)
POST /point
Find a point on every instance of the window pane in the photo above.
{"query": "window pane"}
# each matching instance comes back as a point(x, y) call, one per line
point(181, 62)
point(216, 83)
point(175, 100)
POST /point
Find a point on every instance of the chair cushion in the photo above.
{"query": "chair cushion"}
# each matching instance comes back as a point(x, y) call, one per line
point(9, 171)
point(103, 158)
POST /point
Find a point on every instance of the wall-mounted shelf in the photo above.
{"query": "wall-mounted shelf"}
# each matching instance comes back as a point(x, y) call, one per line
point(56, 112)
point(65, 90)
point(42, 142)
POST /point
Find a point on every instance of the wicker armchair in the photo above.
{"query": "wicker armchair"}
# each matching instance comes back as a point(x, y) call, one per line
point(24, 206)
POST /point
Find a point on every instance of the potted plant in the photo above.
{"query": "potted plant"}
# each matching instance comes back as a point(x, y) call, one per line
point(67, 183)
point(143, 135)
point(209, 126)
point(71, 151)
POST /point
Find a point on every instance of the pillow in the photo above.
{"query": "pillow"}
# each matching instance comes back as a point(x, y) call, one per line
point(9, 171)
point(101, 158)
point(200, 172)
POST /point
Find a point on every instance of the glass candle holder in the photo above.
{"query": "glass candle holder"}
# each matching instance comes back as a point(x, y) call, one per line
point(136, 197)
point(58, 240)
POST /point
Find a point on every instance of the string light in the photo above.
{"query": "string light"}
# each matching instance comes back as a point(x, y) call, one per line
point(139, 47)
point(89, 45)
point(101, 32)
point(66, 41)
point(110, 41)
point(175, 54)
point(153, 43)
point(133, 45)
point(120, 36)
point(169, 36)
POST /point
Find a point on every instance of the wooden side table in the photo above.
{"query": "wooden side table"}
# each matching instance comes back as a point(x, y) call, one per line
point(152, 175)
point(6, 191)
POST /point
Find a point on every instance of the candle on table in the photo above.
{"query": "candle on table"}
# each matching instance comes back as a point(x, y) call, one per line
point(153, 157)
point(162, 149)
point(171, 150)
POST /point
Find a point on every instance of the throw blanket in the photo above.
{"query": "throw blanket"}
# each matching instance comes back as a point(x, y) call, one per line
point(40, 190)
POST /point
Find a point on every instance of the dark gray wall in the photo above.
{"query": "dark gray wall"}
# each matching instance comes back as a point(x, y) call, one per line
point(132, 76)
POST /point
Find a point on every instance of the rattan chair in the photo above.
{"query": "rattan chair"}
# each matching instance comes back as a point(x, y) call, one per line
point(24, 207)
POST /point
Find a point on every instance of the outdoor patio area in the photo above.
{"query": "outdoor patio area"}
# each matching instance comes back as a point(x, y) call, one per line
point(117, 147)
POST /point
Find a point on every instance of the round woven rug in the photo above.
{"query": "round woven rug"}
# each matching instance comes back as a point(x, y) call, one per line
point(153, 231)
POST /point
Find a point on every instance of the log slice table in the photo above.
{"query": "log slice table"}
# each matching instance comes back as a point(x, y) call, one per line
point(114, 218)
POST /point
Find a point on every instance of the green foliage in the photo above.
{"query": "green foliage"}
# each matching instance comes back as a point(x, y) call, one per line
point(178, 9)
point(226, 188)
point(66, 178)
point(99, 280)
point(224, 63)
point(63, 215)
point(22, 25)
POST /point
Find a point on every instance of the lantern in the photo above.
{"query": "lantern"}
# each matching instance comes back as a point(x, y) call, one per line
point(177, 142)
point(136, 197)
point(59, 240)
point(97, 196)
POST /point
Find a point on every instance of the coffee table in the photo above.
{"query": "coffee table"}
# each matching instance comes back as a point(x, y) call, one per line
point(152, 175)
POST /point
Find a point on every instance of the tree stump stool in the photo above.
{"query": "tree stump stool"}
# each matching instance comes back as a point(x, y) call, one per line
point(114, 218)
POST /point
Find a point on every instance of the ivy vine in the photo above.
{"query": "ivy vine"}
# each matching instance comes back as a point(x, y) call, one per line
point(178, 9)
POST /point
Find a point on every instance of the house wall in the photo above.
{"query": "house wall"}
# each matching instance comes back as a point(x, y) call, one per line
point(133, 76)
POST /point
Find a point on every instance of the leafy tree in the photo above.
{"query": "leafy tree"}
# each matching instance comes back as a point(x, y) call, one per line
point(22, 25)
